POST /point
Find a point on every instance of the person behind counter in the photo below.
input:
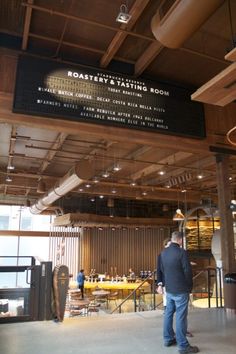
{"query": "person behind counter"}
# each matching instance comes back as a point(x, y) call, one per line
point(131, 273)
point(80, 281)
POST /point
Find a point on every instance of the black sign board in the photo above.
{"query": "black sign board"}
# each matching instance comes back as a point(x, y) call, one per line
point(53, 89)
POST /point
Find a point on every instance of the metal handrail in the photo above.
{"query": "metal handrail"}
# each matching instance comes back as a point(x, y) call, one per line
point(197, 275)
point(218, 284)
point(132, 293)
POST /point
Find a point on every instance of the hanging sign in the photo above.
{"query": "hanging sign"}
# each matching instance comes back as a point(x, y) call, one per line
point(53, 89)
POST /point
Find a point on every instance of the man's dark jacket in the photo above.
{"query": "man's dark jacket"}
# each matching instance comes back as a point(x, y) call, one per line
point(177, 270)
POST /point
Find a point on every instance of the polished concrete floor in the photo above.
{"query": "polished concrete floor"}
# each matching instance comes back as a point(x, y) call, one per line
point(131, 333)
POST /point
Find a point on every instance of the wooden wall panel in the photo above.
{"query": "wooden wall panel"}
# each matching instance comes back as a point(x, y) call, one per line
point(219, 119)
point(8, 63)
point(108, 250)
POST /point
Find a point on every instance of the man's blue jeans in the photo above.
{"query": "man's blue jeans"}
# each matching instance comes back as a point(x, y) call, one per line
point(176, 303)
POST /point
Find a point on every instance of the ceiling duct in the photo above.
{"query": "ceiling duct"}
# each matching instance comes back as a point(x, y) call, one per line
point(80, 173)
point(181, 21)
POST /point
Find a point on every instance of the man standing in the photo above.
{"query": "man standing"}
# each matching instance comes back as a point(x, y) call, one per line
point(80, 281)
point(177, 271)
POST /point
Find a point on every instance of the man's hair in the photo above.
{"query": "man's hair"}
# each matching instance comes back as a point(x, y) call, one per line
point(176, 236)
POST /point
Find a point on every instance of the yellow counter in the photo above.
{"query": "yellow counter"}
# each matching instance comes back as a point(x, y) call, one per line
point(108, 285)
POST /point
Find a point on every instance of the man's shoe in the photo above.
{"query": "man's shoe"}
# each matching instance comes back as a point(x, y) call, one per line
point(189, 349)
point(189, 334)
point(170, 343)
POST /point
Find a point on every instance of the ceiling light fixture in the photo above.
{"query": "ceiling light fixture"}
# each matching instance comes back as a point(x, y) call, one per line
point(200, 176)
point(8, 179)
point(165, 207)
point(178, 216)
point(123, 15)
point(95, 180)
point(161, 172)
point(10, 167)
point(41, 188)
point(133, 183)
point(105, 174)
point(116, 168)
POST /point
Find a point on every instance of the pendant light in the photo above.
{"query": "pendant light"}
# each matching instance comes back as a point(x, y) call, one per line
point(178, 216)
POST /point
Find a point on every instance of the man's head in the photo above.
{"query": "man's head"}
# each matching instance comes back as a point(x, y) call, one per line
point(176, 237)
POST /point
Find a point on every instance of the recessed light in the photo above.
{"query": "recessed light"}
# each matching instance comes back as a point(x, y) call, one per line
point(8, 179)
point(161, 172)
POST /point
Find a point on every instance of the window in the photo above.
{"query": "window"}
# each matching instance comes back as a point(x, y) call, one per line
point(4, 222)
point(26, 223)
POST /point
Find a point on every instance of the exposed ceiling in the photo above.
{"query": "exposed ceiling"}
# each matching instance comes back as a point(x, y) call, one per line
point(152, 180)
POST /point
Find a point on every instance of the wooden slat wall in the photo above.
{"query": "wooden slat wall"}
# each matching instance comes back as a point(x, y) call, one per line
point(121, 249)
point(64, 248)
point(106, 250)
